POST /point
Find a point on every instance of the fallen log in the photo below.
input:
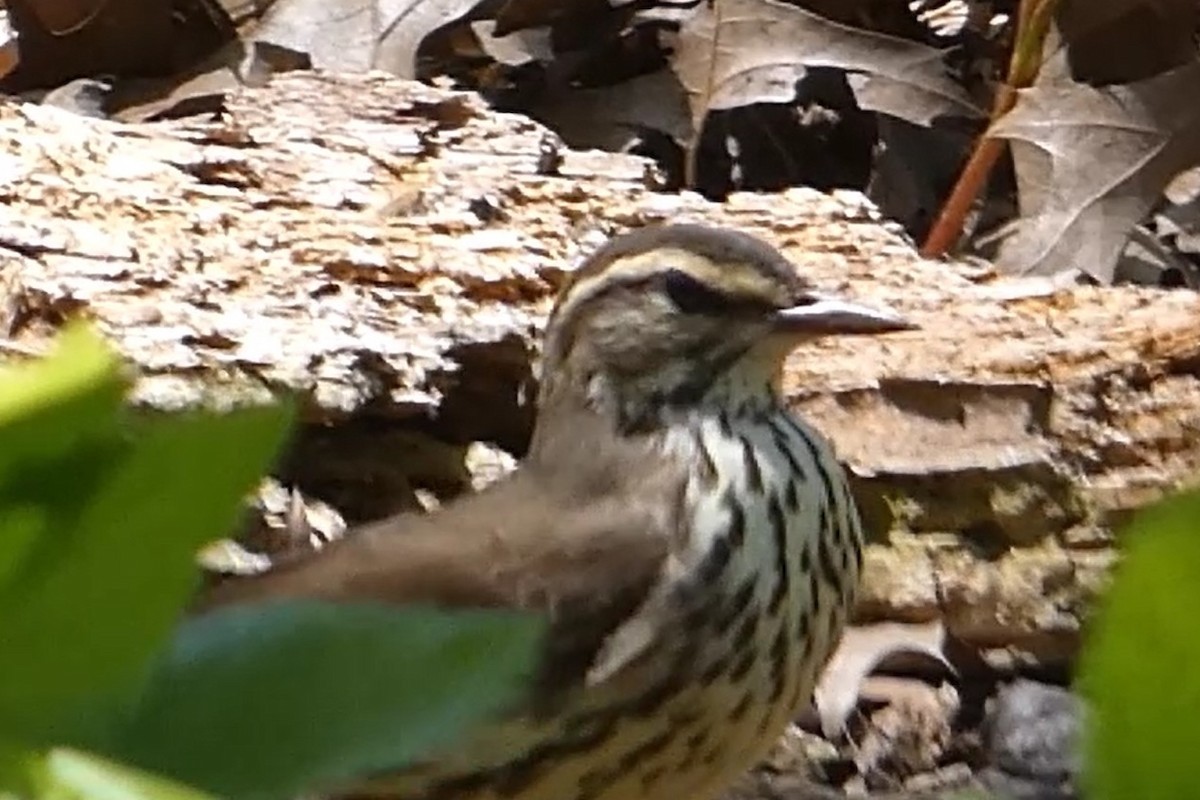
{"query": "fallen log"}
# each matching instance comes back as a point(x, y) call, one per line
point(389, 250)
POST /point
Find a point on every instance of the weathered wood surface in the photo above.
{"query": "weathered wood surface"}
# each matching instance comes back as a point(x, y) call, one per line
point(389, 250)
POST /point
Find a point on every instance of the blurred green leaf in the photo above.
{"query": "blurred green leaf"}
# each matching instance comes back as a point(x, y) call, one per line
point(20, 770)
point(270, 700)
point(100, 520)
point(20, 529)
point(48, 406)
point(51, 412)
point(1139, 671)
point(100, 517)
point(65, 774)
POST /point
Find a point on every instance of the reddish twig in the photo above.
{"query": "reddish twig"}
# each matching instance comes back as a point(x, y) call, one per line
point(1033, 23)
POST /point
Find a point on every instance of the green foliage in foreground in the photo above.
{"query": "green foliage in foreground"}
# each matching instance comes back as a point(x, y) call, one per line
point(101, 687)
point(271, 701)
point(100, 515)
point(1141, 671)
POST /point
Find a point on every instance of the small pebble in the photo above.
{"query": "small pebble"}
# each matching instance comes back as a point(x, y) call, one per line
point(1033, 731)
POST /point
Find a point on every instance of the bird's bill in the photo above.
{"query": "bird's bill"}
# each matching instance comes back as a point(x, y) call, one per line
point(824, 315)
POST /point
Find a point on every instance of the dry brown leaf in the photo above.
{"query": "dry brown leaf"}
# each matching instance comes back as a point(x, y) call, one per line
point(138, 101)
point(609, 117)
point(10, 54)
point(1091, 163)
point(61, 40)
point(1150, 36)
point(753, 51)
point(514, 49)
point(62, 17)
point(203, 88)
point(245, 13)
point(861, 650)
point(358, 35)
point(518, 15)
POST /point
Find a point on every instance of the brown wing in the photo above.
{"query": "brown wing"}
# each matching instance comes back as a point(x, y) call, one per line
point(585, 551)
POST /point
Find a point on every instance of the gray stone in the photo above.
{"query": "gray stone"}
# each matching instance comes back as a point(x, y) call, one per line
point(1033, 731)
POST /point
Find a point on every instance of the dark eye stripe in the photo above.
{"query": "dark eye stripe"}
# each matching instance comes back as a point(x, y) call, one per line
point(691, 296)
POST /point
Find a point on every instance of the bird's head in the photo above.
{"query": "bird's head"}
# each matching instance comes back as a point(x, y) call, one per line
point(671, 317)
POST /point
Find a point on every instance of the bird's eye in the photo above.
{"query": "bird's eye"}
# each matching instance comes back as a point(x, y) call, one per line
point(690, 295)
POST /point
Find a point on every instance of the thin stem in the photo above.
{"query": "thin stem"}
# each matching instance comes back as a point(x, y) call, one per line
point(1033, 24)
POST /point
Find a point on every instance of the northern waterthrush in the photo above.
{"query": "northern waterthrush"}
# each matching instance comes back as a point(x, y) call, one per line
point(694, 547)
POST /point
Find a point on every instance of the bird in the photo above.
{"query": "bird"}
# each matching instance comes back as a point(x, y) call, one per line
point(692, 545)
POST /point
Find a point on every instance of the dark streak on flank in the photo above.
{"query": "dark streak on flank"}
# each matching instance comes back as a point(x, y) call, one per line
point(814, 592)
point(582, 734)
point(795, 697)
point(653, 776)
point(683, 719)
point(737, 604)
point(715, 562)
point(827, 480)
point(780, 652)
point(647, 749)
point(844, 594)
point(649, 702)
point(849, 578)
point(737, 517)
point(742, 667)
point(693, 745)
point(745, 632)
point(592, 783)
point(593, 729)
point(825, 560)
point(791, 496)
point(783, 444)
point(726, 426)
point(807, 649)
point(754, 477)
point(515, 777)
point(716, 669)
point(847, 506)
point(835, 621)
point(698, 609)
point(742, 706)
point(596, 724)
point(779, 537)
